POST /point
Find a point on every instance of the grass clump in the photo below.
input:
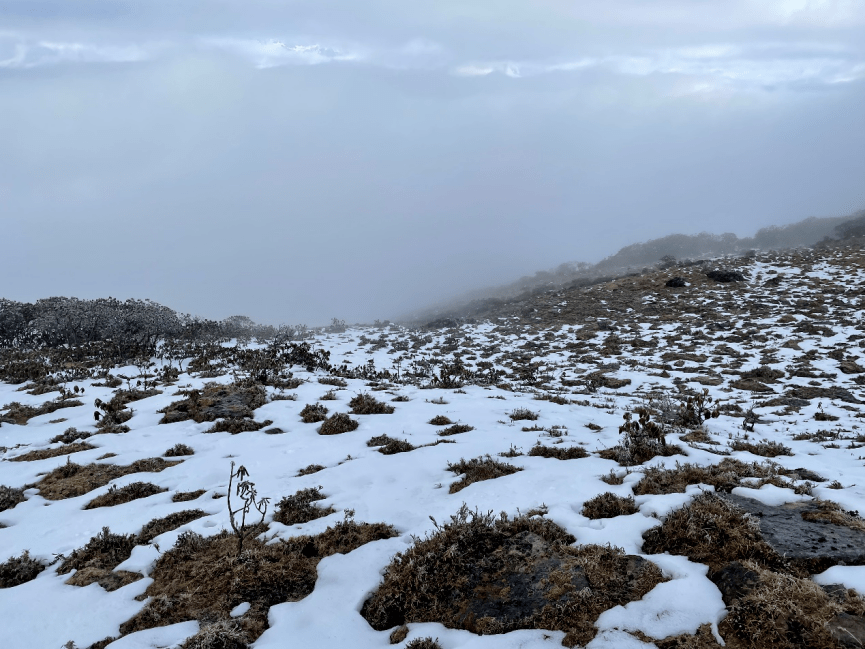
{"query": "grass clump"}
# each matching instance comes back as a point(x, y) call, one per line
point(179, 450)
point(366, 404)
point(236, 425)
point(831, 512)
point(46, 453)
point(713, 531)
point(492, 574)
point(724, 476)
point(219, 634)
point(456, 429)
point(70, 435)
point(642, 440)
point(763, 448)
point(19, 570)
point(479, 469)
point(264, 574)
point(215, 401)
point(337, 424)
point(609, 505)
point(310, 469)
point(299, 508)
point(185, 496)
point(20, 414)
point(390, 446)
point(424, 643)
point(440, 420)
point(95, 562)
point(334, 381)
point(313, 413)
point(168, 523)
point(523, 414)
point(119, 496)
point(9, 497)
point(558, 452)
point(71, 480)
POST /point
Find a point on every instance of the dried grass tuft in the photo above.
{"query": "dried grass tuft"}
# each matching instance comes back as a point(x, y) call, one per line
point(337, 424)
point(19, 570)
point(299, 508)
point(609, 505)
point(558, 452)
point(479, 469)
point(121, 495)
point(366, 404)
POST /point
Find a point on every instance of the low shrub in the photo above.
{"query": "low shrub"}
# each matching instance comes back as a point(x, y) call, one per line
point(119, 496)
point(366, 404)
point(168, 523)
point(440, 420)
point(9, 497)
point(46, 453)
point(609, 505)
point(70, 435)
point(558, 452)
point(523, 414)
point(479, 469)
point(19, 570)
point(724, 476)
point(764, 448)
point(237, 425)
point(456, 429)
point(185, 496)
point(179, 450)
point(337, 424)
point(313, 413)
point(299, 508)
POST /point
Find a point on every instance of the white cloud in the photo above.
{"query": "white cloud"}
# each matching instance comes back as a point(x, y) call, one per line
point(28, 53)
point(273, 53)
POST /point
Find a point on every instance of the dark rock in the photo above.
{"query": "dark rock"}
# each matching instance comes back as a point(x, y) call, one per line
point(850, 367)
point(735, 581)
point(675, 282)
point(810, 545)
point(725, 276)
point(848, 630)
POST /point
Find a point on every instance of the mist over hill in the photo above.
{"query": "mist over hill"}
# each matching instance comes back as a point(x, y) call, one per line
point(640, 257)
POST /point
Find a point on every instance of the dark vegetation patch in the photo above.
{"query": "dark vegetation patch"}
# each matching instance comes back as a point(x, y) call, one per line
point(179, 450)
point(185, 496)
point(121, 495)
point(366, 404)
point(310, 469)
point(609, 505)
point(215, 401)
point(9, 497)
point(827, 511)
point(424, 643)
point(95, 562)
point(490, 574)
point(558, 452)
point(45, 453)
point(300, 508)
point(523, 414)
point(337, 424)
point(724, 476)
point(390, 446)
point(440, 420)
point(70, 480)
point(236, 425)
point(479, 469)
point(456, 429)
point(263, 575)
point(642, 439)
point(335, 381)
point(713, 531)
point(17, 413)
point(313, 413)
point(168, 523)
point(553, 398)
point(19, 570)
point(763, 448)
point(70, 435)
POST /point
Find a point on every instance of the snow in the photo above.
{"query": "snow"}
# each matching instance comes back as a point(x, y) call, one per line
point(406, 489)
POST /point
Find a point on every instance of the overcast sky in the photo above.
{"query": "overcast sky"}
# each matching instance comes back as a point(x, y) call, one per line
point(297, 160)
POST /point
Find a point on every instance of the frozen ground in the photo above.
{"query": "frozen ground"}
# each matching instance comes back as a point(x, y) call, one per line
point(703, 337)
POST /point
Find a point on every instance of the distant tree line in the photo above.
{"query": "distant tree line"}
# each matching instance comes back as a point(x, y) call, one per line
point(132, 326)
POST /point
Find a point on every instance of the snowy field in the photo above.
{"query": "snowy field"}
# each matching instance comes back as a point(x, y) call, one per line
point(681, 351)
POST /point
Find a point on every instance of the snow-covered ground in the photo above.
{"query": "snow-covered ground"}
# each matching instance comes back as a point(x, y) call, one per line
point(406, 489)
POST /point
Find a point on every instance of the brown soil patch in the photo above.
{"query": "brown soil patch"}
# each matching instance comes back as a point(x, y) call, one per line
point(45, 453)
point(490, 574)
point(479, 469)
point(70, 480)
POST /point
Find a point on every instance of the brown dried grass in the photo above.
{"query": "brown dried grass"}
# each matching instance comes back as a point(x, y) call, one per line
point(479, 469)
